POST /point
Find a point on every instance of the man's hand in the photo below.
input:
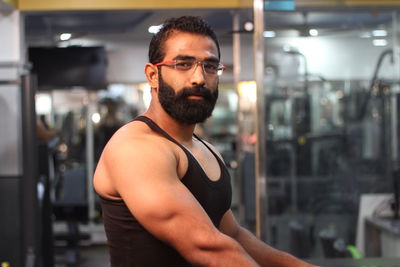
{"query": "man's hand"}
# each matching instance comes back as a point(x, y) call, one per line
point(263, 254)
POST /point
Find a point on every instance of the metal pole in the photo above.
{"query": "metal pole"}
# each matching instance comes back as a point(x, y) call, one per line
point(30, 205)
point(239, 115)
point(394, 116)
point(293, 180)
point(260, 164)
point(90, 158)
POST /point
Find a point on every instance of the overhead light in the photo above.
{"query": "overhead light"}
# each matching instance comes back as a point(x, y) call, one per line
point(96, 117)
point(43, 103)
point(269, 34)
point(248, 26)
point(380, 42)
point(65, 36)
point(379, 33)
point(365, 35)
point(313, 32)
point(155, 28)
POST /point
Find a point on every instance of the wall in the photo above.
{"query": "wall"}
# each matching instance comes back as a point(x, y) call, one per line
point(11, 171)
point(10, 130)
point(126, 63)
point(335, 58)
point(338, 58)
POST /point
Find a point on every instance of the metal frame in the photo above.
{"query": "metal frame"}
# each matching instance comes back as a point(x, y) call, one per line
point(260, 160)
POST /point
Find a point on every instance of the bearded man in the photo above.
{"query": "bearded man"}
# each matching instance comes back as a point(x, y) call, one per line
point(166, 193)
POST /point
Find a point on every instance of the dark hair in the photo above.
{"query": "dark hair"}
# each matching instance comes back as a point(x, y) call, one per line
point(189, 24)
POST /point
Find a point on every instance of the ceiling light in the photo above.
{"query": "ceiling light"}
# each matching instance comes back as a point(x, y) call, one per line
point(248, 26)
point(379, 33)
point(380, 42)
point(269, 34)
point(155, 28)
point(313, 32)
point(96, 117)
point(65, 36)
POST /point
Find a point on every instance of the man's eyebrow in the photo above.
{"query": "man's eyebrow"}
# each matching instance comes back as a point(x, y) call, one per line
point(182, 57)
point(212, 59)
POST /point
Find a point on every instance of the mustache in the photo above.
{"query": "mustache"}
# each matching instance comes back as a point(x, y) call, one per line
point(197, 91)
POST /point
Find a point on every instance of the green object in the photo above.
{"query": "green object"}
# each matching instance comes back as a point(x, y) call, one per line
point(354, 252)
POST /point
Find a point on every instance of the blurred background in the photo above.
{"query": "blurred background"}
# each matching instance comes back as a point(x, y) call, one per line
point(71, 74)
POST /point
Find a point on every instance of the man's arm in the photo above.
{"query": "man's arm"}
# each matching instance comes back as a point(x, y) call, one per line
point(144, 173)
point(258, 250)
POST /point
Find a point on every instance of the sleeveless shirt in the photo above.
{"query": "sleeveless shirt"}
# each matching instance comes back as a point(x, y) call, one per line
point(130, 244)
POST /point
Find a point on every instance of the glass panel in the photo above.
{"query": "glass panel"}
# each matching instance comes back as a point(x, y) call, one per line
point(331, 87)
point(84, 121)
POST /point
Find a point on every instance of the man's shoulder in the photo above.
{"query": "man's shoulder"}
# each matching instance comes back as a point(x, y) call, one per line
point(134, 138)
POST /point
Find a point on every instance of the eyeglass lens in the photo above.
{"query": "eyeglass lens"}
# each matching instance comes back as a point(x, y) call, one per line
point(208, 67)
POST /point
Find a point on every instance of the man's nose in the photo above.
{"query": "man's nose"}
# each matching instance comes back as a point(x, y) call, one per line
point(198, 75)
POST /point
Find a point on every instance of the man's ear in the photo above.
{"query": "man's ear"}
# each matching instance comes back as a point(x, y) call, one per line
point(151, 73)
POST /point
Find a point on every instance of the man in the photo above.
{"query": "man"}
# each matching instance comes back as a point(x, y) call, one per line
point(165, 193)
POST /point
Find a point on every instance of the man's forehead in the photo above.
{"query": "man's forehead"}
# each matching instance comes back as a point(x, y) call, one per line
point(189, 44)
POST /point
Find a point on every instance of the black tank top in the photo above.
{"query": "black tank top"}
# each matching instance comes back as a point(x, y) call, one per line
point(132, 245)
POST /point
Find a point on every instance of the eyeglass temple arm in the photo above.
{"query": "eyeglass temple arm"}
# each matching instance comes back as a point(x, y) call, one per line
point(165, 63)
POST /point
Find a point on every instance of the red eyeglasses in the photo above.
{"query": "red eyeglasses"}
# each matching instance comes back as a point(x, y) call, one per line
point(209, 67)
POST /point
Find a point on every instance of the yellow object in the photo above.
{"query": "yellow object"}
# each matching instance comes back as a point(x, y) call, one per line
point(37, 5)
point(5, 264)
point(25, 5)
point(302, 140)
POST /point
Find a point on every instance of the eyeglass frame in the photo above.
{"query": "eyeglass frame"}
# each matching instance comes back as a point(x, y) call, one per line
point(172, 63)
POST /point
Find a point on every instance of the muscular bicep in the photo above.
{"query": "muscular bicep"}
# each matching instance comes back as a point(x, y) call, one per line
point(147, 181)
point(229, 225)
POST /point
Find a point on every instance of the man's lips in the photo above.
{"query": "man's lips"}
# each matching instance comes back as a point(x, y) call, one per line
point(196, 97)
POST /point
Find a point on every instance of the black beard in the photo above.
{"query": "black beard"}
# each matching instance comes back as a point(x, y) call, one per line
point(183, 109)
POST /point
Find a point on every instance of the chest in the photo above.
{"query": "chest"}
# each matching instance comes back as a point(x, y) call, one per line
point(202, 156)
point(209, 182)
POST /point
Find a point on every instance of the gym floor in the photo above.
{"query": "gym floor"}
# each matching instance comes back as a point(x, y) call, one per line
point(88, 256)
point(93, 252)
point(95, 255)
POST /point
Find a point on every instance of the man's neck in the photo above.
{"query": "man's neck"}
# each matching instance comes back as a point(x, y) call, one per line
point(181, 132)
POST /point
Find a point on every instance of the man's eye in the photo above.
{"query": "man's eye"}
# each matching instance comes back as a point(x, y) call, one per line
point(184, 65)
point(211, 66)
